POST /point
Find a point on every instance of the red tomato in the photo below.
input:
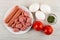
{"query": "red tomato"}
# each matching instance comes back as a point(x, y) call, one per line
point(38, 25)
point(48, 29)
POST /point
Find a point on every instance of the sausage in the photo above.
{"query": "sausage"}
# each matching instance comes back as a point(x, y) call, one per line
point(16, 30)
point(28, 24)
point(21, 19)
point(18, 26)
point(14, 17)
point(22, 13)
point(26, 14)
point(12, 13)
point(13, 25)
point(24, 28)
point(28, 19)
point(25, 19)
point(16, 21)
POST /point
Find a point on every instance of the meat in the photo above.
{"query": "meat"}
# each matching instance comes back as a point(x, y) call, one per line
point(28, 19)
point(16, 21)
point(26, 13)
point(16, 30)
point(14, 17)
point(18, 26)
point(24, 27)
point(28, 24)
point(13, 25)
point(11, 14)
point(19, 21)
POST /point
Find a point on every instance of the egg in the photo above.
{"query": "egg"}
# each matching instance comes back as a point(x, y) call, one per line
point(45, 8)
point(34, 7)
point(40, 15)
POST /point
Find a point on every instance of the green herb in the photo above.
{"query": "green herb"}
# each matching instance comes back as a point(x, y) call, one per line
point(51, 19)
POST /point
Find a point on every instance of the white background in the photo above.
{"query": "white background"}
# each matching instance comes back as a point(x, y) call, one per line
point(32, 34)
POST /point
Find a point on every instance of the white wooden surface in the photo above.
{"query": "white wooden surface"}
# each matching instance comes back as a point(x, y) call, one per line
point(31, 35)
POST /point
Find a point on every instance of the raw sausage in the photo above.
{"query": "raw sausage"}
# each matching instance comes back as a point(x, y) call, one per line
point(16, 20)
point(18, 26)
point(28, 19)
point(13, 25)
point(12, 13)
point(26, 14)
point(21, 19)
point(16, 30)
point(14, 17)
point(24, 28)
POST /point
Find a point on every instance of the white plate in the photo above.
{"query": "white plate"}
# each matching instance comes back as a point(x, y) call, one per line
point(20, 32)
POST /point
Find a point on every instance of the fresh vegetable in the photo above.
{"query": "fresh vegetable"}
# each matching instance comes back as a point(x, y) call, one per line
point(38, 25)
point(51, 19)
point(48, 29)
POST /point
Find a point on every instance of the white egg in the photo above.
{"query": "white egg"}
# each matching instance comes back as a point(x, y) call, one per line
point(40, 15)
point(34, 7)
point(45, 8)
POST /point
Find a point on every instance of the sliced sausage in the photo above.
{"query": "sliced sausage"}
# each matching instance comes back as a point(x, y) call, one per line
point(22, 13)
point(16, 30)
point(28, 19)
point(18, 22)
point(26, 14)
point(21, 19)
point(28, 24)
point(18, 26)
point(11, 14)
point(24, 28)
point(13, 25)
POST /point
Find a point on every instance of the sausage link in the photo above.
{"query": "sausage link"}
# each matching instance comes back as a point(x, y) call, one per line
point(12, 13)
point(14, 17)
